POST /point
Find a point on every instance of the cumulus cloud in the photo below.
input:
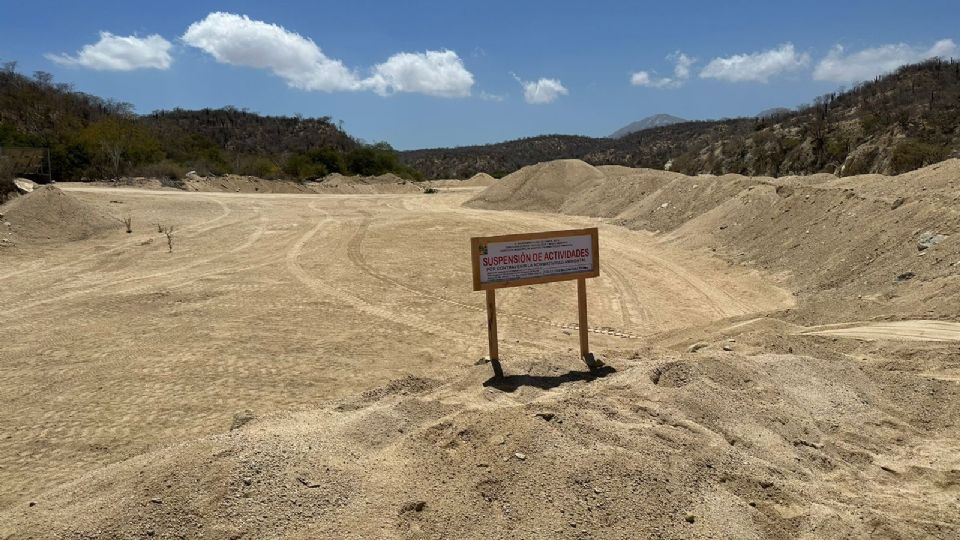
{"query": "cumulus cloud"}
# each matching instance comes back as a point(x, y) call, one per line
point(840, 66)
point(241, 41)
point(434, 73)
point(681, 72)
point(756, 67)
point(541, 91)
point(120, 53)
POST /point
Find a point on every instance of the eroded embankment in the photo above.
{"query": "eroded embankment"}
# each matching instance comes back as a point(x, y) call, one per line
point(853, 248)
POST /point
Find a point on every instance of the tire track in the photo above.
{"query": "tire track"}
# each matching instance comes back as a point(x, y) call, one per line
point(355, 254)
point(250, 240)
point(191, 231)
point(320, 286)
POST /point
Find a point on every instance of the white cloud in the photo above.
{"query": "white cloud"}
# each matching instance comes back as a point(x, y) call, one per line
point(435, 73)
point(681, 72)
point(541, 91)
point(486, 96)
point(240, 41)
point(756, 67)
point(868, 63)
point(120, 53)
point(681, 69)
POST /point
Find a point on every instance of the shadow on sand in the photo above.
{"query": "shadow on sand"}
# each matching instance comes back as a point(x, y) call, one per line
point(510, 383)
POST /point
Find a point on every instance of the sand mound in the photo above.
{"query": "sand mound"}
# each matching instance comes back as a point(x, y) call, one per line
point(241, 184)
point(49, 215)
point(622, 188)
point(849, 245)
point(542, 187)
point(705, 445)
point(681, 199)
point(479, 180)
point(385, 183)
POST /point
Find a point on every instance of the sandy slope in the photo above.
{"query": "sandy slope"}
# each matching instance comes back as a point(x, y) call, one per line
point(272, 302)
point(899, 330)
point(345, 325)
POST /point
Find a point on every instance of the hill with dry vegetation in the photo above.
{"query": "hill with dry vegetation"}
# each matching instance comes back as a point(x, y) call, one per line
point(94, 138)
point(893, 124)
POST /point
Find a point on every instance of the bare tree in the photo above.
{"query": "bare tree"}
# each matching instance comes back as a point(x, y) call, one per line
point(168, 232)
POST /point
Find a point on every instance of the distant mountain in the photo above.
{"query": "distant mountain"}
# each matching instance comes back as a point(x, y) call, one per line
point(655, 121)
point(773, 112)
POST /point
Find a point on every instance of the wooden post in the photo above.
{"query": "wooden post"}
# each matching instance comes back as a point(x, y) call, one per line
point(585, 353)
point(492, 333)
point(582, 305)
point(492, 324)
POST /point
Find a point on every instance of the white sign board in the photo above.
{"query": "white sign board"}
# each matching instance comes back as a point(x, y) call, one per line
point(524, 259)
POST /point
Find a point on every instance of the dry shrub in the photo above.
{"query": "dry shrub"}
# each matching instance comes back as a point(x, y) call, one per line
point(7, 189)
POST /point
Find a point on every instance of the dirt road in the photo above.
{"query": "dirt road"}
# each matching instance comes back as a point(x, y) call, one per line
point(115, 346)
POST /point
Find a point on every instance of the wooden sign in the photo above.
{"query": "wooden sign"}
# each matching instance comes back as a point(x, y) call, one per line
point(514, 260)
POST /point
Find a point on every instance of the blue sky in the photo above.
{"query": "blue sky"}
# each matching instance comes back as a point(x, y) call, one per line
point(423, 73)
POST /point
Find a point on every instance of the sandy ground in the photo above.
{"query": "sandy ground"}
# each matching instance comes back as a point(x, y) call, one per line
point(345, 327)
point(273, 302)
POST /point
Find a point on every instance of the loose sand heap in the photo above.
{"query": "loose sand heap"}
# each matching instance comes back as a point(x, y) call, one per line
point(477, 180)
point(241, 184)
point(48, 215)
point(233, 183)
point(385, 183)
point(765, 446)
point(851, 246)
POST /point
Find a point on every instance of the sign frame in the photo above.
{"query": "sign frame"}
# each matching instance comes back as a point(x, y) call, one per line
point(476, 242)
point(580, 277)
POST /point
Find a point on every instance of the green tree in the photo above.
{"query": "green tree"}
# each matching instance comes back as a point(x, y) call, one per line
point(118, 141)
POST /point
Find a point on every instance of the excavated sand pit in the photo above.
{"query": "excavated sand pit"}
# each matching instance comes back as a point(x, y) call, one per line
point(306, 365)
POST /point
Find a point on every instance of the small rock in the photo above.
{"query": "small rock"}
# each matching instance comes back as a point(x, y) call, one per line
point(727, 348)
point(241, 419)
point(23, 185)
point(482, 361)
point(156, 500)
point(8, 224)
point(801, 442)
point(929, 239)
point(897, 203)
point(696, 347)
point(906, 276)
point(520, 455)
point(413, 506)
point(548, 416)
point(247, 481)
point(307, 482)
point(691, 518)
point(32, 503)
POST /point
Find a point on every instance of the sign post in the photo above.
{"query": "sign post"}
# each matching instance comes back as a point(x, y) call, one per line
point(515, 260)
